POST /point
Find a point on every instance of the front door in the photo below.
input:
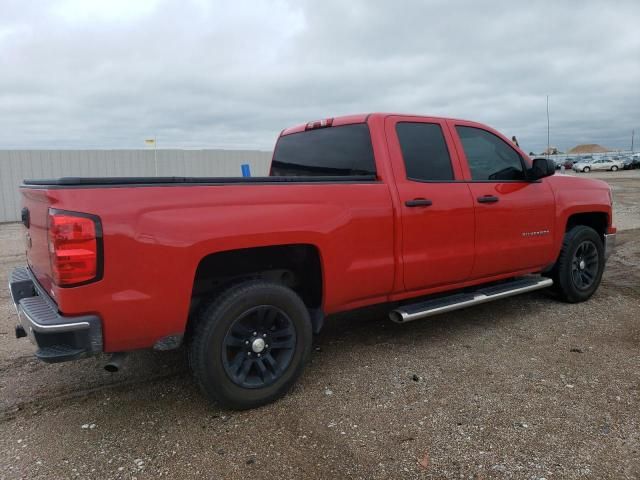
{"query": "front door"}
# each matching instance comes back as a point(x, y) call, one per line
point(436, 206)
point(514, 217)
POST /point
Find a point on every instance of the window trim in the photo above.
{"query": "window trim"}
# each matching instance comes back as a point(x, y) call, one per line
point(444, 139)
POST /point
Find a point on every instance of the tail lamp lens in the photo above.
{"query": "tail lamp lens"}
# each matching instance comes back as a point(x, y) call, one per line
point(74, 247)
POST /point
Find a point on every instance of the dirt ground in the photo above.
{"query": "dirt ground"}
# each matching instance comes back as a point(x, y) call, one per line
point(526, 387)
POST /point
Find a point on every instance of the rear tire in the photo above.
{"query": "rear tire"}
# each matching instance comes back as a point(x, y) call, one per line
point(250, 344)
point(578, 271)
point(586, 170)
point(614, 169)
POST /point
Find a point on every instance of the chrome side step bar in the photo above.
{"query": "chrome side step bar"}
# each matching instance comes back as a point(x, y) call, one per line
point(456, 301)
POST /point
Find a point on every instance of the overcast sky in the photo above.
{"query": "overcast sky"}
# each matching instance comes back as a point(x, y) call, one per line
point(210, 74)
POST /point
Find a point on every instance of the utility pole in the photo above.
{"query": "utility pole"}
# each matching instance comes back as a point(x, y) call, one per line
point(633, 133)
point(548, 135)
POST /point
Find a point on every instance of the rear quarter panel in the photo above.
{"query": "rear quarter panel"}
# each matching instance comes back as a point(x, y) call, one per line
point(155, 237)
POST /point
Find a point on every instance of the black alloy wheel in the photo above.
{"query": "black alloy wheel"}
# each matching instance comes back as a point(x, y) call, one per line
point(249, 343)
point(584, 265)
point(578, 271)
point(259, 346)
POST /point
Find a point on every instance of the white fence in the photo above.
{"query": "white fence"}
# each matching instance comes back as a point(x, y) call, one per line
point(16, 165)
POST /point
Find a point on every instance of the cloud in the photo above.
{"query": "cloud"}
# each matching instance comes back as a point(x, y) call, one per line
point(232, 74)
point(83, 11)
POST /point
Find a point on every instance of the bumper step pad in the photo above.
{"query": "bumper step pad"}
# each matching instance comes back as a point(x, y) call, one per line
point(60, 353)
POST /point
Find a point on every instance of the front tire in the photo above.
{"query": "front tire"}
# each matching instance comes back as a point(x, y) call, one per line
point(578, 271)
point(250, 344)
point(614, 169)
point(586, 170)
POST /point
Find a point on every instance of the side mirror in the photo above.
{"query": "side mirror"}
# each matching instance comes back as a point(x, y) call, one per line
point(542, 167)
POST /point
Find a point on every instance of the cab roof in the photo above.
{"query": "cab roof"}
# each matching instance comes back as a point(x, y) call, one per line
point(356, 118)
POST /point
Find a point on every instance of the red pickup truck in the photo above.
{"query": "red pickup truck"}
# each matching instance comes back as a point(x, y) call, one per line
point(422, 214)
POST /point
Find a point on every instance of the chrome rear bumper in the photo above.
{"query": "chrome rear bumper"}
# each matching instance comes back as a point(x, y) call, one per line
point(58, 338)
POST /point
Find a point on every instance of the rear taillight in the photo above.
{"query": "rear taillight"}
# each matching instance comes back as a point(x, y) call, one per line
point(75, 247)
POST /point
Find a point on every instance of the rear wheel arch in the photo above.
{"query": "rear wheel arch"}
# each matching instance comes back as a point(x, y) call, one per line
point(296, 266)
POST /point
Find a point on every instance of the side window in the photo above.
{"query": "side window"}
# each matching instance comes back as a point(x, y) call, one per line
point(424, 151)
point(489, 157)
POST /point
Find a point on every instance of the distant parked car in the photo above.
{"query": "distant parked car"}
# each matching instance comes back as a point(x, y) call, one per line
point(630, 163)
point(601, 164)
point(567, 163)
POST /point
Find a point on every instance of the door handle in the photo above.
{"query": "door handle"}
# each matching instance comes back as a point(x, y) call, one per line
point(488, 199)
point(418, 202)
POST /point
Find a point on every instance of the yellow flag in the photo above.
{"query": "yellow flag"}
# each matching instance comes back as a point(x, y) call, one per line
point(150, 141)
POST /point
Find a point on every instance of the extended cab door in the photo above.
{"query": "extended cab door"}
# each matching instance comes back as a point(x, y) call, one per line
point(514, 217)
point(437, 210)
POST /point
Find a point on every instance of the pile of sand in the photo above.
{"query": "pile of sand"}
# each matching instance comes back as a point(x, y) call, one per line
point(589, 148)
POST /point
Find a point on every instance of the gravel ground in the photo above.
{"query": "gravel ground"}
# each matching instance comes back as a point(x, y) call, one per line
point(524, 388)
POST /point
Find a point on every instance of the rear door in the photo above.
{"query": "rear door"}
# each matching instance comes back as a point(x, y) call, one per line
point(436, 206)
point(514, 217)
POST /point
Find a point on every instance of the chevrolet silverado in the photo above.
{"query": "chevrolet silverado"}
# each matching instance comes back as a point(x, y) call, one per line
point(419, 214)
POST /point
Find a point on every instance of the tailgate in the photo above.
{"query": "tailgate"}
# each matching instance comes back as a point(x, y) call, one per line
point(35, 213)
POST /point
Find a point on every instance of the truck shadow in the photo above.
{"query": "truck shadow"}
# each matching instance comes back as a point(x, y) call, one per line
point(35, 385)
point(372, 326)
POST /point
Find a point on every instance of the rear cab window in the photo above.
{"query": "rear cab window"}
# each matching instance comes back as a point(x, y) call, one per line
point(344, 150)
